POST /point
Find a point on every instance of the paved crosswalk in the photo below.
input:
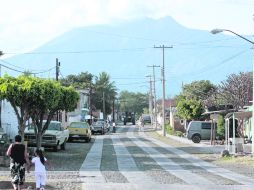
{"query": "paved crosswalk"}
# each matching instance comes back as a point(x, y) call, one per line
point(134, 151)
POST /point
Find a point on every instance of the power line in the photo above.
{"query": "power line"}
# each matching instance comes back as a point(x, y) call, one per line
point(82, 51)
point(134, 83)
point(19, 71)
point(129, 78)
point(12, 64)
point(205, 69)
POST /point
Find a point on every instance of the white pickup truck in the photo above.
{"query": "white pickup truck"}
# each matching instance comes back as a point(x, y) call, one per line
point(55, 136)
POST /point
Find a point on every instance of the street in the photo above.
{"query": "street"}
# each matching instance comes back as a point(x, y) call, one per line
point(129, 159)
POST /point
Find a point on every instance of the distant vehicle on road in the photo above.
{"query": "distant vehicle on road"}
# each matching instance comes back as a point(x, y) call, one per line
point(98, 127)
point(146, 118)
point(129, 117)
point(105, 124)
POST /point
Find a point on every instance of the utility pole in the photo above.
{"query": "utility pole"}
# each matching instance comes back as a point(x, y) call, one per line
point(103, 98)
point(150, 99)
point(155, 104)
point(57, 69)
point(113, 109)
point(1, 53)
point(90, 103)
point(57, 75)
point(163, 86)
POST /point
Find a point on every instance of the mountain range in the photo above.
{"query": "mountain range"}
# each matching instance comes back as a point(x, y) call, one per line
point(125, 50)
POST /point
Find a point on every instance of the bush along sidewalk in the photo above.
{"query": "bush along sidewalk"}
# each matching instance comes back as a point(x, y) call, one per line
point(171, 131)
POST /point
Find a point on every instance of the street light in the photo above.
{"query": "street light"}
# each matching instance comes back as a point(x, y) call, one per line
point(216, 31)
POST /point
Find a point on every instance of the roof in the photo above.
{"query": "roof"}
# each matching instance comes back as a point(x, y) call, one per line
point(168, 103)
point(218, 109)
point(240, 115)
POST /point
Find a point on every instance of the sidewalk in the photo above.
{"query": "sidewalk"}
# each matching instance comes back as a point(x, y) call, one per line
point(203, 145)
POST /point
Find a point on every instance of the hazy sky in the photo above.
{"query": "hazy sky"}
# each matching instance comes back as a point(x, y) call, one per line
point(26, 24)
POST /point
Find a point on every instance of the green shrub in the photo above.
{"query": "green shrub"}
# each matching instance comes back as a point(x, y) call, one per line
point(169, 129)
point(179, 133)
point(220, 127)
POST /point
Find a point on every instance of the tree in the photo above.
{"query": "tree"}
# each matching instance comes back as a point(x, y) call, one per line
point(237, 89)
point(194, 98)
point(104, 86)
point(188, 109)
point(48, 98)
point(80, 81)
point(36, 98)
point(202, 90)
point(17, 91)
point(133, 102)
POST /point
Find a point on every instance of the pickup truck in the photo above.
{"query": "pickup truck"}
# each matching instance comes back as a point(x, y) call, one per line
point(55, 136)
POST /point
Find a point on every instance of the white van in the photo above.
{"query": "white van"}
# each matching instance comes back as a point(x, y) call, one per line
point(199, 130)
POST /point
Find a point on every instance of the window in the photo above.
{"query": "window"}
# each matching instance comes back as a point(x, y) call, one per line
point(206, 125)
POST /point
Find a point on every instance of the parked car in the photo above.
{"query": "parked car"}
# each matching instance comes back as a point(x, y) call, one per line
point(55, 136)
point(4, 143)
point(146, 118)
point(3, 137)
point(98, 127)
point(105, 124)
point(79, 130)
point(199, 130)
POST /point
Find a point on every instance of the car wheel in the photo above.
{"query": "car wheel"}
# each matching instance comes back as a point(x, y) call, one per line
point(55, 148)
point(196, 138)
point(63, 145)
point(87, 139)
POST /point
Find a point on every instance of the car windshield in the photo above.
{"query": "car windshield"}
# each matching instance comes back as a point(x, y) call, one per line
point(78, 125)
point(52, 126)
point(98, 124)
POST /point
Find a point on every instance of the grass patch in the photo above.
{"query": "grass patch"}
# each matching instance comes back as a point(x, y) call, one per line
point(243, 160)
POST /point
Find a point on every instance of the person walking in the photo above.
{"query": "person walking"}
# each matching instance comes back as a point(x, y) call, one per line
point(114, 127)
point(39, 162)
point(18, 158)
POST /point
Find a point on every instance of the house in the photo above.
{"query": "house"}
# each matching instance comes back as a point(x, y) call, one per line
point(170, 115)
point(80, 113)
point(9, 120)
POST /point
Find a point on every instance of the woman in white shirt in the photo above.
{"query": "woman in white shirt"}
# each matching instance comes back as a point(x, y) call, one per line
point(40, 169)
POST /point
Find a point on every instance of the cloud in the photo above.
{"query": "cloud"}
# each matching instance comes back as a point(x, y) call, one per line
point(26, 24)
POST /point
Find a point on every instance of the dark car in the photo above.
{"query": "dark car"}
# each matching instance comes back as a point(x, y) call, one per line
point(146, 118)
point(98, 127)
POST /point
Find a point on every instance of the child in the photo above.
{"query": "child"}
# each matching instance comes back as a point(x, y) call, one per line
point(40, 169)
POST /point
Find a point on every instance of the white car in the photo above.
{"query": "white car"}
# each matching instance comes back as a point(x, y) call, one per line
point(55, 136)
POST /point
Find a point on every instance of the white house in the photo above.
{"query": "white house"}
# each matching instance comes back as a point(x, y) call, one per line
point(9, 119)
point(81, 111)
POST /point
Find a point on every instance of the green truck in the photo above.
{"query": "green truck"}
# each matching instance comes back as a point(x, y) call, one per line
point(129, 117)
